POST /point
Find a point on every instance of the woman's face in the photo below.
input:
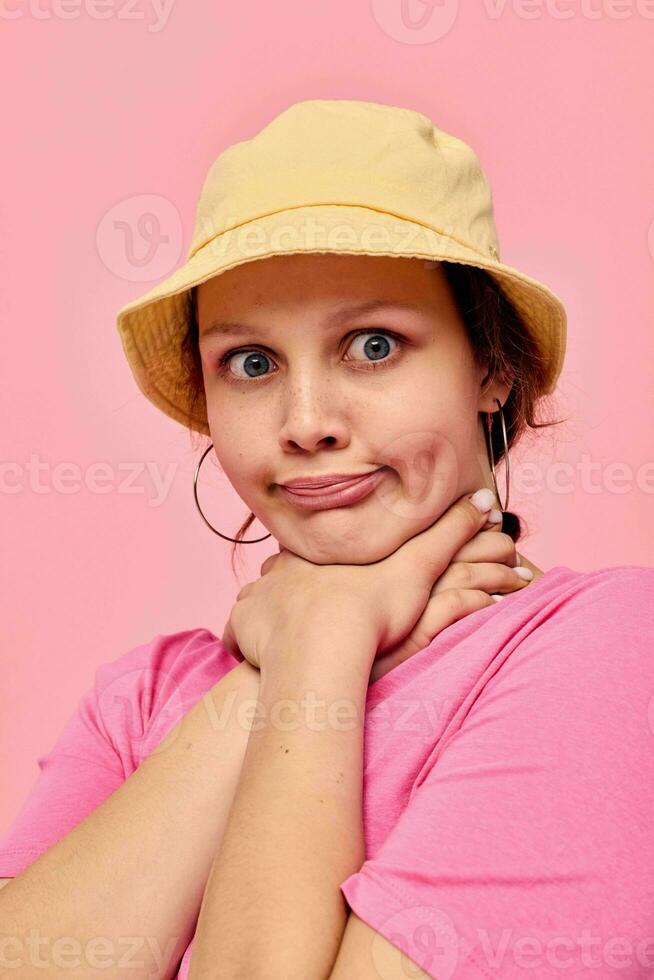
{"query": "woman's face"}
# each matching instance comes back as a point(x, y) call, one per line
point(315, 387)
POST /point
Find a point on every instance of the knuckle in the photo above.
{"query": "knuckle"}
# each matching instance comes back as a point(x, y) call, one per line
point(473, 599)
point(456, 597)
point(463, 575)
point(460, 602)
point(500, 548)
point(470, 598)
point(507, 544)
point(473, 516)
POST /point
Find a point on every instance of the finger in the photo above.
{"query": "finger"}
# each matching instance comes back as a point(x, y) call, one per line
point(489, 546)
point(429, 553)
point(487, 576)
point(444, 609)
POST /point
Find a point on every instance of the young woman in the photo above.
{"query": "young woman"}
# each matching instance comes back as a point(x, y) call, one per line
point(379, 769)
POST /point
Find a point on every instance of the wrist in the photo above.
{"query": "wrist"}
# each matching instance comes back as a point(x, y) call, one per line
point(229, 700)
point(334, 663)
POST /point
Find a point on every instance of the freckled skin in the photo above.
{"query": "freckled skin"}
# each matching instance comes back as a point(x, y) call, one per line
point(313, 408)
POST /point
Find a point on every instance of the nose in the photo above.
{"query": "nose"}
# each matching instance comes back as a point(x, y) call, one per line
point(313, 416)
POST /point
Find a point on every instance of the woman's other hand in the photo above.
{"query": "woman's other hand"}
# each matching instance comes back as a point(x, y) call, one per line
point(380, 602)
point(483, 566)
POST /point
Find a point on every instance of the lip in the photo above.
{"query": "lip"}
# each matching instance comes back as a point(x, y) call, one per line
point(342, 494)
point(328, 480)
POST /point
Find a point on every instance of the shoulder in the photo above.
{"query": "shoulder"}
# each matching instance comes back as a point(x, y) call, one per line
point(623, 577)
point(613, 596)
point(573, 683)
point(596, 631)
point(181, 656)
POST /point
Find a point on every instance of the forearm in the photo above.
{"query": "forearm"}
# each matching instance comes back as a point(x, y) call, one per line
point(273, 906)
point(134, 871)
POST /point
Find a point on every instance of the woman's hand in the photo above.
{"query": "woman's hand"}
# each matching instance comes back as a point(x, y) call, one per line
point(484, 565)
point(380, 602)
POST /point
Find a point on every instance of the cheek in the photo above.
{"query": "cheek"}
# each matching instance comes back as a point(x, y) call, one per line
point(246, 449)
point(235, 439)
point(240, 468)
point(427, 441)
point(426, 462)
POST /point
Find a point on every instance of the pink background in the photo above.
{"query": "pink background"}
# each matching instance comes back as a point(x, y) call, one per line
point(128, 113)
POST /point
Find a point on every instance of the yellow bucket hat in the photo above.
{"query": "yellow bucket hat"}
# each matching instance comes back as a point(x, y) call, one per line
point(332, 175)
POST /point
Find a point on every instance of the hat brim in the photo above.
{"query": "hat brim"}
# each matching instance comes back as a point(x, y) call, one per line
point(152, 327)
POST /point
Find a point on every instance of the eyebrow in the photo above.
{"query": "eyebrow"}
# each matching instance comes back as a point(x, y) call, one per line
point(234, 328)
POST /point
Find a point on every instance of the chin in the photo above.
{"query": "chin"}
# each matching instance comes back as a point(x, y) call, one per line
point(335, 551)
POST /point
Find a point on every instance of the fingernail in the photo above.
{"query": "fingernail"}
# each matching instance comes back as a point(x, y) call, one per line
point(525, 573)
point(497, 597)
point(483, 499)
point(495, 516)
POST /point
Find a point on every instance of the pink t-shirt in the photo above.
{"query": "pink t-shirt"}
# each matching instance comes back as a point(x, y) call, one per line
point(508, 787)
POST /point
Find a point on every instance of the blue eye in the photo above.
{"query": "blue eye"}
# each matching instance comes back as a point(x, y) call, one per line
point(255, 361)
point(377, 347)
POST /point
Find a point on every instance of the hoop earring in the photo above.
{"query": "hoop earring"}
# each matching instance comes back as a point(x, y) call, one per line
point(489, 423)
point(197, 504)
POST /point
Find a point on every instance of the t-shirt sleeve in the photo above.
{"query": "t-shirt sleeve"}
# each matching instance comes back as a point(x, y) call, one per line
point(80, 771)
point(132, 704)
point(527, 845)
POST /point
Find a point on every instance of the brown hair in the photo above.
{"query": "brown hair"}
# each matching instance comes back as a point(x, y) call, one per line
point(500, 342)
